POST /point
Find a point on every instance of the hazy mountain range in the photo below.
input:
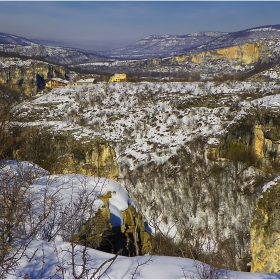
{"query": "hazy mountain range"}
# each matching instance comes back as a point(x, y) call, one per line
point(161, 45)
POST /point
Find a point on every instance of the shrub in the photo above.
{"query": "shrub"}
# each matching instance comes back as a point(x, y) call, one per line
point(239, 152)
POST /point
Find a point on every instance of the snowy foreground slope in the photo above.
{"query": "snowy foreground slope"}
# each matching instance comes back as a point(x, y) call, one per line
point(60, 259)
point(54, 260)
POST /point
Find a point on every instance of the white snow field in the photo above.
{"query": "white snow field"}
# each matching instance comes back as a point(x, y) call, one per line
point(54, 260)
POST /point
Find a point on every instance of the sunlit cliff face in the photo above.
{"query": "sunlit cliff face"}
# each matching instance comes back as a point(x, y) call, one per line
point(246, 54)
point(265, 234)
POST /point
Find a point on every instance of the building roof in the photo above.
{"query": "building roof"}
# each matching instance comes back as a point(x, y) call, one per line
point(85, 81)
point(59, 80)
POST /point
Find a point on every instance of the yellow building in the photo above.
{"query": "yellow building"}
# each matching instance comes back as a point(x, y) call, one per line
point(118, 78)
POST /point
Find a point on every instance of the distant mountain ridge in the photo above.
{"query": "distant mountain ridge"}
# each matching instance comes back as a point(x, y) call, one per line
point(152, 46)
point(6, 38)
point(245, 36)
point(164, 45)
point(19, 46)
point(170, 45)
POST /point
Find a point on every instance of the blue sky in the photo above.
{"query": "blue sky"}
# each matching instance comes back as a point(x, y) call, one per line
point(102, 25)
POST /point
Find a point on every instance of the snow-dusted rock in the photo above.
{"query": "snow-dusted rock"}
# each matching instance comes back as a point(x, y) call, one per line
point(264, 231)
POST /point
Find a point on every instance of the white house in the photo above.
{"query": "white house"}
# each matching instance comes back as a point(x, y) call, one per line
point(84, 82)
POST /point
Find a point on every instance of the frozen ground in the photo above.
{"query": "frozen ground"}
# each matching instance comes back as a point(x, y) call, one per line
point(54, 260)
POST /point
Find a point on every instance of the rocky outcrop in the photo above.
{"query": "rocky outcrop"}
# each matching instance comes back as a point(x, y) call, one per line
point(28, 76)
point(60, 153)
point(259, 132)
point(244, 54)
point(265, 233)
point(135, 230)
point(96, 158)
point(265, 224)
point(92, 211)
point(132, 237)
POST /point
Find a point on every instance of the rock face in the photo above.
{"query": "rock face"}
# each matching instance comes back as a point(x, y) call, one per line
point(28, 76)
point(245, 54)
point(132, 237)
point(135, 231)
point(265, 234)
point(259, 131)
point(62, 154)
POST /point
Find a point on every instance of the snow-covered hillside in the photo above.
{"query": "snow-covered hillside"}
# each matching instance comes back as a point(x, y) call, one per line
point(68, 189)
point(18, 46)
point(143, 114)
point(194, 156)
point(6, 62)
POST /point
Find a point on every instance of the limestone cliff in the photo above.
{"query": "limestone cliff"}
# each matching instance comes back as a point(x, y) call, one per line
point(265, 225)
point(132, 237)
point(62, 154)
point(259, 132)
point(28, 76)
point(246, 54)
point(255, 140)
point(265, 234)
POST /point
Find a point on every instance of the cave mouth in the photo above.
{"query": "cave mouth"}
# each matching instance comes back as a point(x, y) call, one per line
point(115, 240)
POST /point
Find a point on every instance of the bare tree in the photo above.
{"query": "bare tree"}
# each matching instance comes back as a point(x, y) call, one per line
point(9, 99)
point(15, 212)
point(46, 209)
